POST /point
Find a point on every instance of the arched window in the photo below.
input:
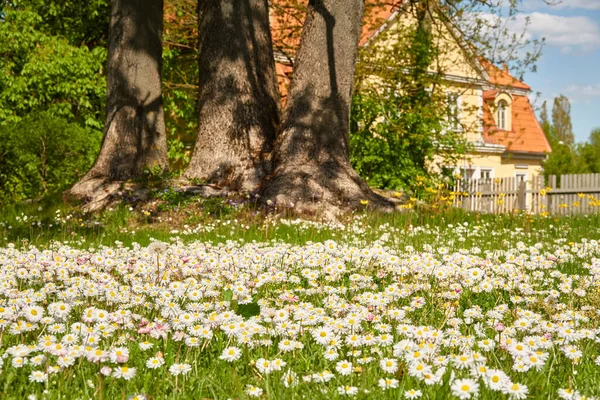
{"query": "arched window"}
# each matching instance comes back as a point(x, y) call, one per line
point(502, 107)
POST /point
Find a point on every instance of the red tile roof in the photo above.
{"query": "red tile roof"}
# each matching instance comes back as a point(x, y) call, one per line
point(502, 77)
point(526, 134)
point(375, 18)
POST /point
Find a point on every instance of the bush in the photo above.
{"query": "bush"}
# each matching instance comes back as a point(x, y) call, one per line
point(42, 154)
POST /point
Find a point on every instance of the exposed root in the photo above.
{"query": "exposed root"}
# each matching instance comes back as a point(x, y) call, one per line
point(96, 193)
point(328, 190)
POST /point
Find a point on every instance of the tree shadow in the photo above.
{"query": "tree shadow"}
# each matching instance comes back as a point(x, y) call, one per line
point(313, 150)
point(237, 81)
point(134, 124)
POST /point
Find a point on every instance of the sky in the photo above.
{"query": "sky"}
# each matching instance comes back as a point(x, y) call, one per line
point(570, 61)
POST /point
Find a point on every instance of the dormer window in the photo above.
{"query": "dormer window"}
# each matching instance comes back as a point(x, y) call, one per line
point(502, 115)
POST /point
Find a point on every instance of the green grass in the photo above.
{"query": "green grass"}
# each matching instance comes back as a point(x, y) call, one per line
point(220, 247)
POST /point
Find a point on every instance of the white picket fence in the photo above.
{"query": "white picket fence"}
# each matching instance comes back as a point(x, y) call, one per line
point(563, 195)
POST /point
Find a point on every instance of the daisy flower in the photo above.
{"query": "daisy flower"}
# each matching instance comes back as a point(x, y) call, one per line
point(289, 379)
point(413, 394)
point(347, 390)
point(180, 369)
point(389, 365)
point(388, 383)
point(126, 373)
point(344, 367)
point(516, 391)
point(253, 391)
point(146, 345)
point(231, 354)
point(38, 376)
point(464, 388)
point(155, 362)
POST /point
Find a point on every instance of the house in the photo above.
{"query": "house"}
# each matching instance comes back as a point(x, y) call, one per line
point(491, 107)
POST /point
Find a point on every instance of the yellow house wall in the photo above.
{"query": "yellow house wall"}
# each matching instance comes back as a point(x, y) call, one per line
point(451, 58)
point(456, 65)
point(470, 108)
point(502, 167)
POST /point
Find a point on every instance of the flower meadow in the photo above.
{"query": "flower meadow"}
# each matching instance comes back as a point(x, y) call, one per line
point(469, 310)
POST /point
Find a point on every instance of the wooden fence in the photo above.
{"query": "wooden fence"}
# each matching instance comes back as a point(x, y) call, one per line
point(563, 194)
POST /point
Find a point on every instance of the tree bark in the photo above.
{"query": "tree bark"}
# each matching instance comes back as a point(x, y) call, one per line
point(134, 130)
point(312, 165)
point(239, 99)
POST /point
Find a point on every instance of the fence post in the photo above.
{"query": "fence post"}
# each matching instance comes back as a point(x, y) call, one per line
point(521, 199)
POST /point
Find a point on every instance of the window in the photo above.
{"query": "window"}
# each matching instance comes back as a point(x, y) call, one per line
point(502, 107)
point(485, 173)
point(467, 173)
point(453, 110)
point(520, 177)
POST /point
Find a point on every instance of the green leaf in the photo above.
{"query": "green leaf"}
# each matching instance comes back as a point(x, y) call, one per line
point(249, 310)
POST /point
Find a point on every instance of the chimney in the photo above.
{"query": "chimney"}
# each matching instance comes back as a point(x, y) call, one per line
point(505, 67)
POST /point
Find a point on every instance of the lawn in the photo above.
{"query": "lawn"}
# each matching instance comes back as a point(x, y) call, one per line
point(222, 300)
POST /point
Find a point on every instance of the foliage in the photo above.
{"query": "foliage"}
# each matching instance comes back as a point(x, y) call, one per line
point(173, 198)
point(401, 117)
point(43, 154)
point(216, 206)
point(180, 78)
point(177, 153)
point(39, 72)
point(80, 22)
point(561, 120)
point(589, 152)
point(568, 157)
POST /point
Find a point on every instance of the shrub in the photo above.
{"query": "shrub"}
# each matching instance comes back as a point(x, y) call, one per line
point(43, 154)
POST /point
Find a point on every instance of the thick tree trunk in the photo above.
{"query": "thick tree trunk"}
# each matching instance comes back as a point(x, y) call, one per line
point(312, 166)
point(239, 100)
point(134, 130)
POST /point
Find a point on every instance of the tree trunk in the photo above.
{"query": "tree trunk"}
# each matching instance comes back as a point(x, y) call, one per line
point(239, 100)
point(312, 165)
point(134, 130)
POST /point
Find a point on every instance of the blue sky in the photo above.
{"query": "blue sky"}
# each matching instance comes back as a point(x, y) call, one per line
point(570, 63)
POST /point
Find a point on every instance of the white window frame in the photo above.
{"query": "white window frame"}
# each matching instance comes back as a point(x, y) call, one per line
point(517, 174)
point(482, 169)
point(456, 108)
point(501, 114)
